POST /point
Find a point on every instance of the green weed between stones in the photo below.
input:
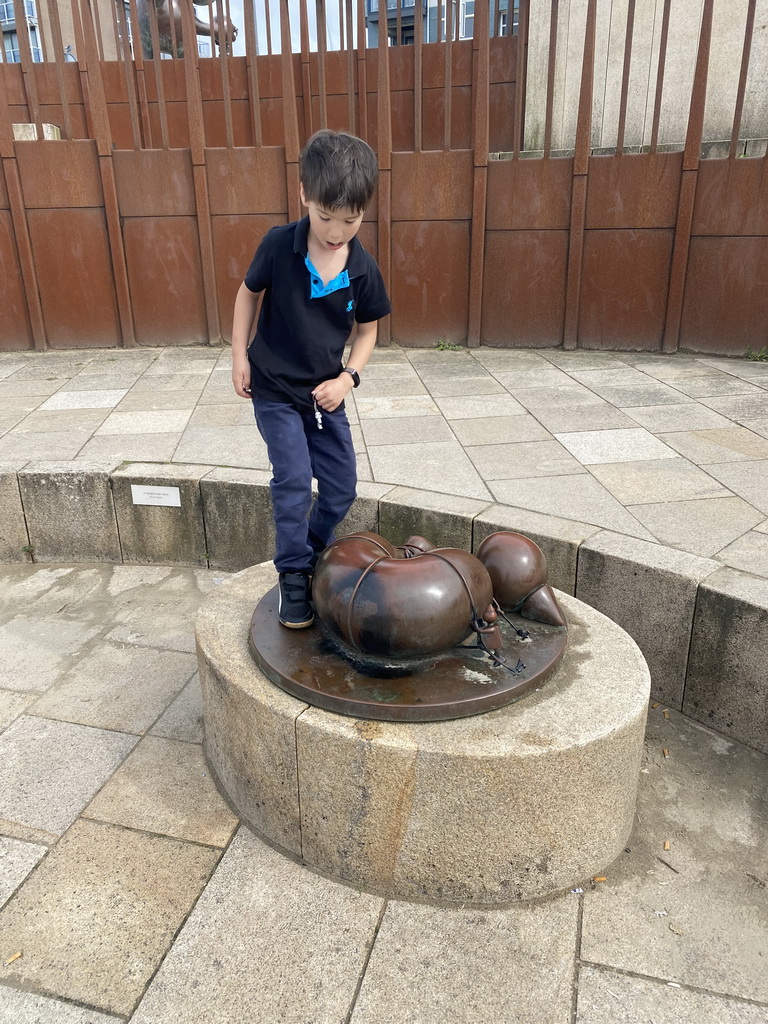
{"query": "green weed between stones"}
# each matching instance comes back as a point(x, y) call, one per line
point(761, 356)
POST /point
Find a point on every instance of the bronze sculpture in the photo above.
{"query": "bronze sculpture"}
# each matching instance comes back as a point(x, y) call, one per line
point(418, 633)
point(168, 14)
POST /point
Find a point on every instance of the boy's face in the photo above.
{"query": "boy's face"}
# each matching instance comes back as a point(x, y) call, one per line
point(332, 229)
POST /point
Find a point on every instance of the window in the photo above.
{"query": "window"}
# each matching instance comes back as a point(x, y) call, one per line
point(467, 18)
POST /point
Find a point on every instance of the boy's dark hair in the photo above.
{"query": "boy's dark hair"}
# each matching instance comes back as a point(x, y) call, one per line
point(338, 170)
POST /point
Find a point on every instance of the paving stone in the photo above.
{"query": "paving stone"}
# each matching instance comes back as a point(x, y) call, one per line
point(476, 407)
point(237, 510)
point(444, 520)
point(492, 430)
point(703, 527)
point(26, 1008)
point(54, 444)
point(570, 497)
point(184, 718)
point(742, 409)
point(696, 914)
point(85, 420)
point(70, 512)
point(156, 533)
point(613, 376)
point(406, 430)
point(37, 650)
point(441, 466)
point(119, 687)
point(415, 405)
point(223, 446)
point(190, 383)
point(223, 416)
point(148, 401)
point(606, 997)
point(602, 416)
point(691, 416)
point(12, 705)
point(747, 479)
point(161, 421)
point(650, 591)
point(101, 381)
point(448, 387)
point(736, 444)
point(13, 529)
point(572, 394)
point(526, 459)
point(541, 377)
point(710, 387)
point(99, 914)
point(749, 552)
point(583, 359)
point(17, 859)
point(130, 448)
point(429, 967)
point(655, 480)
point(592, 447)
point(50, 770)
point(90, 399)
point(164, 787)
point(16, 387)
point(638, 395)
point(558, 538)
point(264, 918)
point(726, 683)
point(512, 359)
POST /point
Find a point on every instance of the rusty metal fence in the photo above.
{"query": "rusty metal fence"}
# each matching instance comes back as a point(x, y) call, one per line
point(136, 226)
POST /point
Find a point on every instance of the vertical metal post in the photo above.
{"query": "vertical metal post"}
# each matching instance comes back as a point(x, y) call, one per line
point(252, 72)
point(481, 50)
point(551, 65)
point(290, 117)
point(746, 52)
point(384, 132)
point(621, 130)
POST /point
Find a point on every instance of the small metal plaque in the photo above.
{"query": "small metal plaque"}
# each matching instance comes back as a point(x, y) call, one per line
point(458, 683)
point(143, 494)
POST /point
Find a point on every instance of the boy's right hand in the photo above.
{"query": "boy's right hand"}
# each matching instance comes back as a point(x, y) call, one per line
point(241, 377)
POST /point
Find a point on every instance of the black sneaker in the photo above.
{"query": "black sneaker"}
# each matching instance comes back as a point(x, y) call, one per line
point(293, 609)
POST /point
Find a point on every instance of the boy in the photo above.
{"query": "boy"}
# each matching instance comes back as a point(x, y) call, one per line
point(319, 286)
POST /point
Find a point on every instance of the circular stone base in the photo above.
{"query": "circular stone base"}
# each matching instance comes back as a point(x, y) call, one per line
point(518, 803)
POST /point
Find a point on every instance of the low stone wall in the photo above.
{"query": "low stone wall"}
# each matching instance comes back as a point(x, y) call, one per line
point(702, 628)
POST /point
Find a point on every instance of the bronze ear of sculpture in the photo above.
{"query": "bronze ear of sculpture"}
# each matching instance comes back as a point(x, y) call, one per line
point(169, 26)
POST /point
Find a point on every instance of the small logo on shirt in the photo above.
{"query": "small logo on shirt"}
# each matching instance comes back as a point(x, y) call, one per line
point(350, 304)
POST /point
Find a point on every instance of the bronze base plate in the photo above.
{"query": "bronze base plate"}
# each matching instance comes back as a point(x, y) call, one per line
point(464, 681)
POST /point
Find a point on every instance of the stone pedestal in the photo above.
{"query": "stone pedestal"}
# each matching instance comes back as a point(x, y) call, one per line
point(511, 805)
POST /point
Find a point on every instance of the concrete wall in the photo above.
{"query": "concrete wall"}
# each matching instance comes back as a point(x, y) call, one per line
point(729, 22)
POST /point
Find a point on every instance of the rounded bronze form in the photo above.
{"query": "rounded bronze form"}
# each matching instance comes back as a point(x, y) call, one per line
point(518, 569)
point(398, 608)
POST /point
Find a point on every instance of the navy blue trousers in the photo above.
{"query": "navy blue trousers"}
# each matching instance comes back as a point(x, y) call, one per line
point(299, 451)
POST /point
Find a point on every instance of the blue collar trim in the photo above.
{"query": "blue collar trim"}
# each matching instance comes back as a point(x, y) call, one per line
point(318, 289)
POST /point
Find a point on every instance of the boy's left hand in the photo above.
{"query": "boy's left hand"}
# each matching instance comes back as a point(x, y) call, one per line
point(331, 393)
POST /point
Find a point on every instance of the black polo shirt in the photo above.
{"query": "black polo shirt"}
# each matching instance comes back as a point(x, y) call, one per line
point(304, 325)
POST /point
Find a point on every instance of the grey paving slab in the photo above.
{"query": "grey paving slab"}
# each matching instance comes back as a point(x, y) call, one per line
point(607, 997)
point(655, 480)
point(219, 394)
point(50, 770)
point(406, 430)
point(51, 445)
point(703, 527)
point(223, 416)
point(536, 397)
point(442, 466)
point(414, 405)
point(624, 376)
point(238, 446)
point(160, 421)
point(742, 409)
point(594, 416)
point(18, 1007)
point(527, 459)
point(511, 359)
point(7, 368)
point(676, 367)
point(691, 416)
point(377, 373)
point(747, 479)
point(646, 394)
point(300, 940)
point(37, 650)
point(499, 429)
point(119, 687)
point(90, 399)
point(695, 914)
point(448, 387)
point(98, 915)
point(93, 381)
point(190, 383)
point(749, 552)
point(430, 966)
point(710, 387)
point(17, 859)
point(575, 496)
point(467, 406)
point(592, 447)
point(86, 420)
point(541, 377)
point(130, 447)
point(29, 388)
point(49, 364)
point(736, 444)
point(586, 360)
point(762, 527)
point(743, 368)
point(14, 537)
point(164, 787)
point(184, 718)
point(12, 705)
point(147, 401)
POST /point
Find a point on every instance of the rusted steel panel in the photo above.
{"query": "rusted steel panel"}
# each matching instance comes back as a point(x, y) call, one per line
point(432, 186)
point(78, 127)
point(114, 82)
point(461, 118)
point(502, 127)
point(635, 191)
point(155, 183)
point(5, 203)
point(12, 84)
point(726, 300)
point(246, 181)
point(503, 59)
point(680, 256)
point(176, 120)
point(74, 273)
point(429, 288)
point(434, 64)
point(15, 328)
point(164, 270)
point(235, 239)
point(211, 85)
point(731, 198)
point(624, 284)
point(59, 174)
point(529, 194)
point(216, 123)
point(524, 288)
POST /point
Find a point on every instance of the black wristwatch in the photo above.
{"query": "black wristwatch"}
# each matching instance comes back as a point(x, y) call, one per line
point(355, 375)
